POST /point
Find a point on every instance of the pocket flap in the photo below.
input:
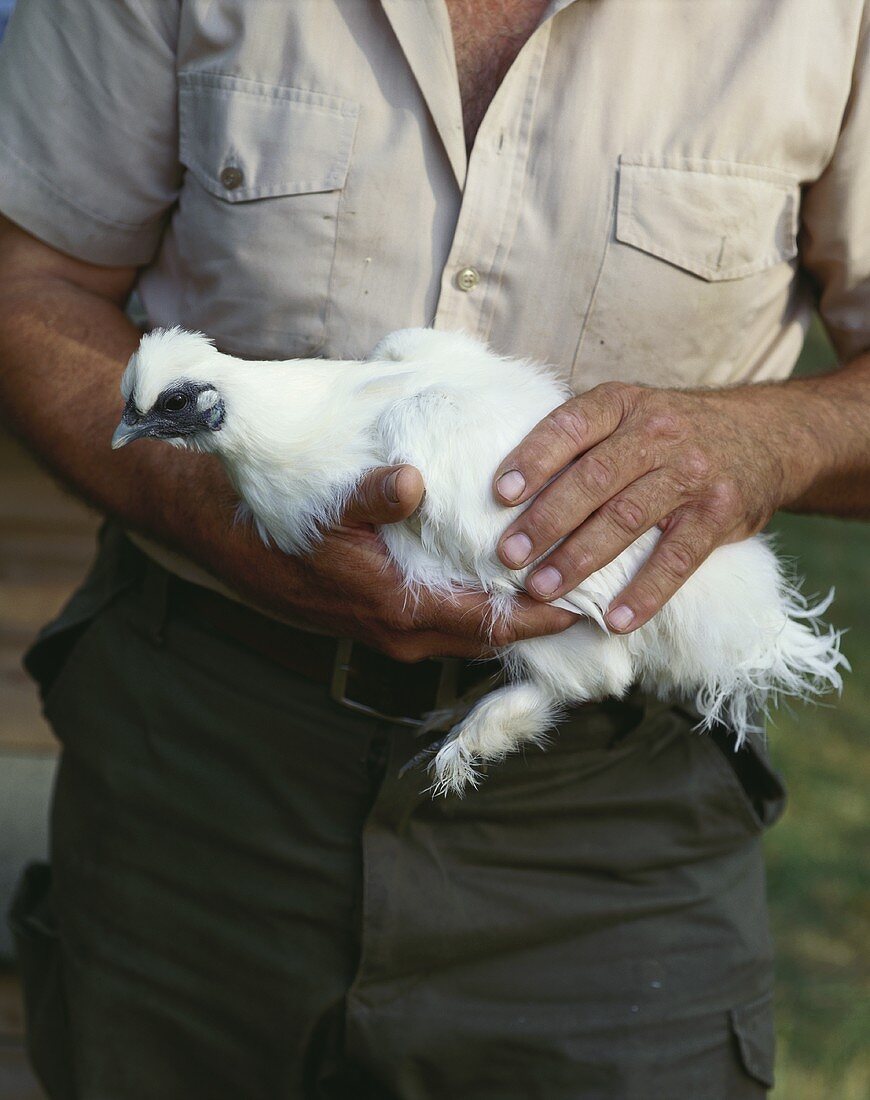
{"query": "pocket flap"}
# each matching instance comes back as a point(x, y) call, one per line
point(753, 1028)
point(715, 219)
point(244, 140)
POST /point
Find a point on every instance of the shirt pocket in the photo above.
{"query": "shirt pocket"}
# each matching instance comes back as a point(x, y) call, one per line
point(257, 220)
point(696, 275)
point(717, 221)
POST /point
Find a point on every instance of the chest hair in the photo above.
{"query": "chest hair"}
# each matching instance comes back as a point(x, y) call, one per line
point(487, 36)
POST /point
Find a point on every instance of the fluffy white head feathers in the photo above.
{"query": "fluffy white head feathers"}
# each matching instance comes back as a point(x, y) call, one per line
point(170, 390)
point(165, 356)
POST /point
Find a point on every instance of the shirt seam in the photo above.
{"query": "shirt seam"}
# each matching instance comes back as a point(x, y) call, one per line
point(286, 93)
point(786, 182)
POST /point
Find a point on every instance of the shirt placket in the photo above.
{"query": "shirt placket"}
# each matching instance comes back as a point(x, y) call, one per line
point(492, 197)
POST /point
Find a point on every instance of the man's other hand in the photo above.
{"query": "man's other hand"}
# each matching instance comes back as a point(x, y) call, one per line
point(707, 467)
point(354, 589)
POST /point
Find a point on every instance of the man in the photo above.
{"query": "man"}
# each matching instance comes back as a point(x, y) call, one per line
point(249, 900)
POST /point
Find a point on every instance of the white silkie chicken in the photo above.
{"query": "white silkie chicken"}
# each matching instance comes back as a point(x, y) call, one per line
point(295, 438)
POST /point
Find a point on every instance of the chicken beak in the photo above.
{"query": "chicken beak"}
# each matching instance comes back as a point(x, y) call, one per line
point(126, 433)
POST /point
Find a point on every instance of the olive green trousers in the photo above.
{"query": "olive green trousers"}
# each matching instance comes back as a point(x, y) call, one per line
point(247, 902)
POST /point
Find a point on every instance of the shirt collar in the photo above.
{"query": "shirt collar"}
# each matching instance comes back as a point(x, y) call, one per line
point(424, 33)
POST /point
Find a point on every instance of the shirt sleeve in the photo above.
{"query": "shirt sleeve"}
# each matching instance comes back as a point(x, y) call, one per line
point(88, 125)
point(835, 215)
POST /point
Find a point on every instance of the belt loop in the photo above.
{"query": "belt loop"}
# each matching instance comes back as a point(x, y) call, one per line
point(155, 602)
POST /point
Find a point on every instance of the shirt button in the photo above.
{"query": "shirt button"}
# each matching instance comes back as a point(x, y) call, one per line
point(467, 278)
point(232, 178)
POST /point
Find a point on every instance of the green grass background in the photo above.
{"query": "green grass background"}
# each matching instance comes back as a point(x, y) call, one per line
point(819, 883)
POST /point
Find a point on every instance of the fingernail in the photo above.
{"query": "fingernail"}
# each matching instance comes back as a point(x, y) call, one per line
point(517, 548)
point(620, 617)
point(546, 580)
point(391, 487)
point(511, 485)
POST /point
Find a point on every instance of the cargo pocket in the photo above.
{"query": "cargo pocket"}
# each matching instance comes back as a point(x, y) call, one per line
point(752, 1027)
point(34, 928)
point(700, 257)
point(266, 165)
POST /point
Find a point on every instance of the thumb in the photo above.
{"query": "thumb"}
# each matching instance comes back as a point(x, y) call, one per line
point(385, 495)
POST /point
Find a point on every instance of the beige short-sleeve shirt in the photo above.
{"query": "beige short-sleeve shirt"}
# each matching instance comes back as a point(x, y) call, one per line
point(660, 191)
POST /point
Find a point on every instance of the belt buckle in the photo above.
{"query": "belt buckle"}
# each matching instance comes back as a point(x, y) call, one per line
point(341, 667)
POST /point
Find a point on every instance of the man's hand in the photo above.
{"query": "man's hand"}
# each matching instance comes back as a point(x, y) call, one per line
point(64, 341)
point(350, 588)
point(708, 467)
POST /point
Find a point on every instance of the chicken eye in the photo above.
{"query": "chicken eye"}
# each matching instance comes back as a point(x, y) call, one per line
point(175, 402)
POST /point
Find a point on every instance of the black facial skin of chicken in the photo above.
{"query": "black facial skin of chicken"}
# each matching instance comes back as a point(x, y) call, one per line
point(176, 413)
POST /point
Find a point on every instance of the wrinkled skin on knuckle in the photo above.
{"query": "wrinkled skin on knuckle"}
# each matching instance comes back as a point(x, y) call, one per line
point(543, 521)
point(664, 425)
point(723, 504)
point(618, 394)
point(697, 466)
point(595, 474)
point(677, 559)
point(681, 488)
point(569, 421)
point(662, 415)
point(626, 514)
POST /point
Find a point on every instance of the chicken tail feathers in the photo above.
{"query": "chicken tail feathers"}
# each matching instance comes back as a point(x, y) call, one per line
point(802, 661)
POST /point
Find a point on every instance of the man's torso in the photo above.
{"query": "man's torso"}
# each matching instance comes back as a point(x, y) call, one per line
point(628, 209)
point(296, 182)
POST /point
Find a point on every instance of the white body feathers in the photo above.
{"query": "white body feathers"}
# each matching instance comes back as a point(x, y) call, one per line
point(298, 435)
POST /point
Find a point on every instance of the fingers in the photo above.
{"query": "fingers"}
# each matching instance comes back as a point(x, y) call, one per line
point(469, 615)
point(615, 526)
point(528, 622)
point(386, 494)
point(462, 626)
point(566, 432)
point(577, 492)
point(681, 549)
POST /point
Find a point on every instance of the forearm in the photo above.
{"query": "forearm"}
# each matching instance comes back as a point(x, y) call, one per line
point(839, 404)
point(820, 428)
point(62, 350)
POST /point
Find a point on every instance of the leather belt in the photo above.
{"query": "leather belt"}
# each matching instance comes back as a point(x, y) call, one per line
point(357, 676)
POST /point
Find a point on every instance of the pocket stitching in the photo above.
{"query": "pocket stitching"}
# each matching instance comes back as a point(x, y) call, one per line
point(630, 235)
point(284, 92)
point(721, 169)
